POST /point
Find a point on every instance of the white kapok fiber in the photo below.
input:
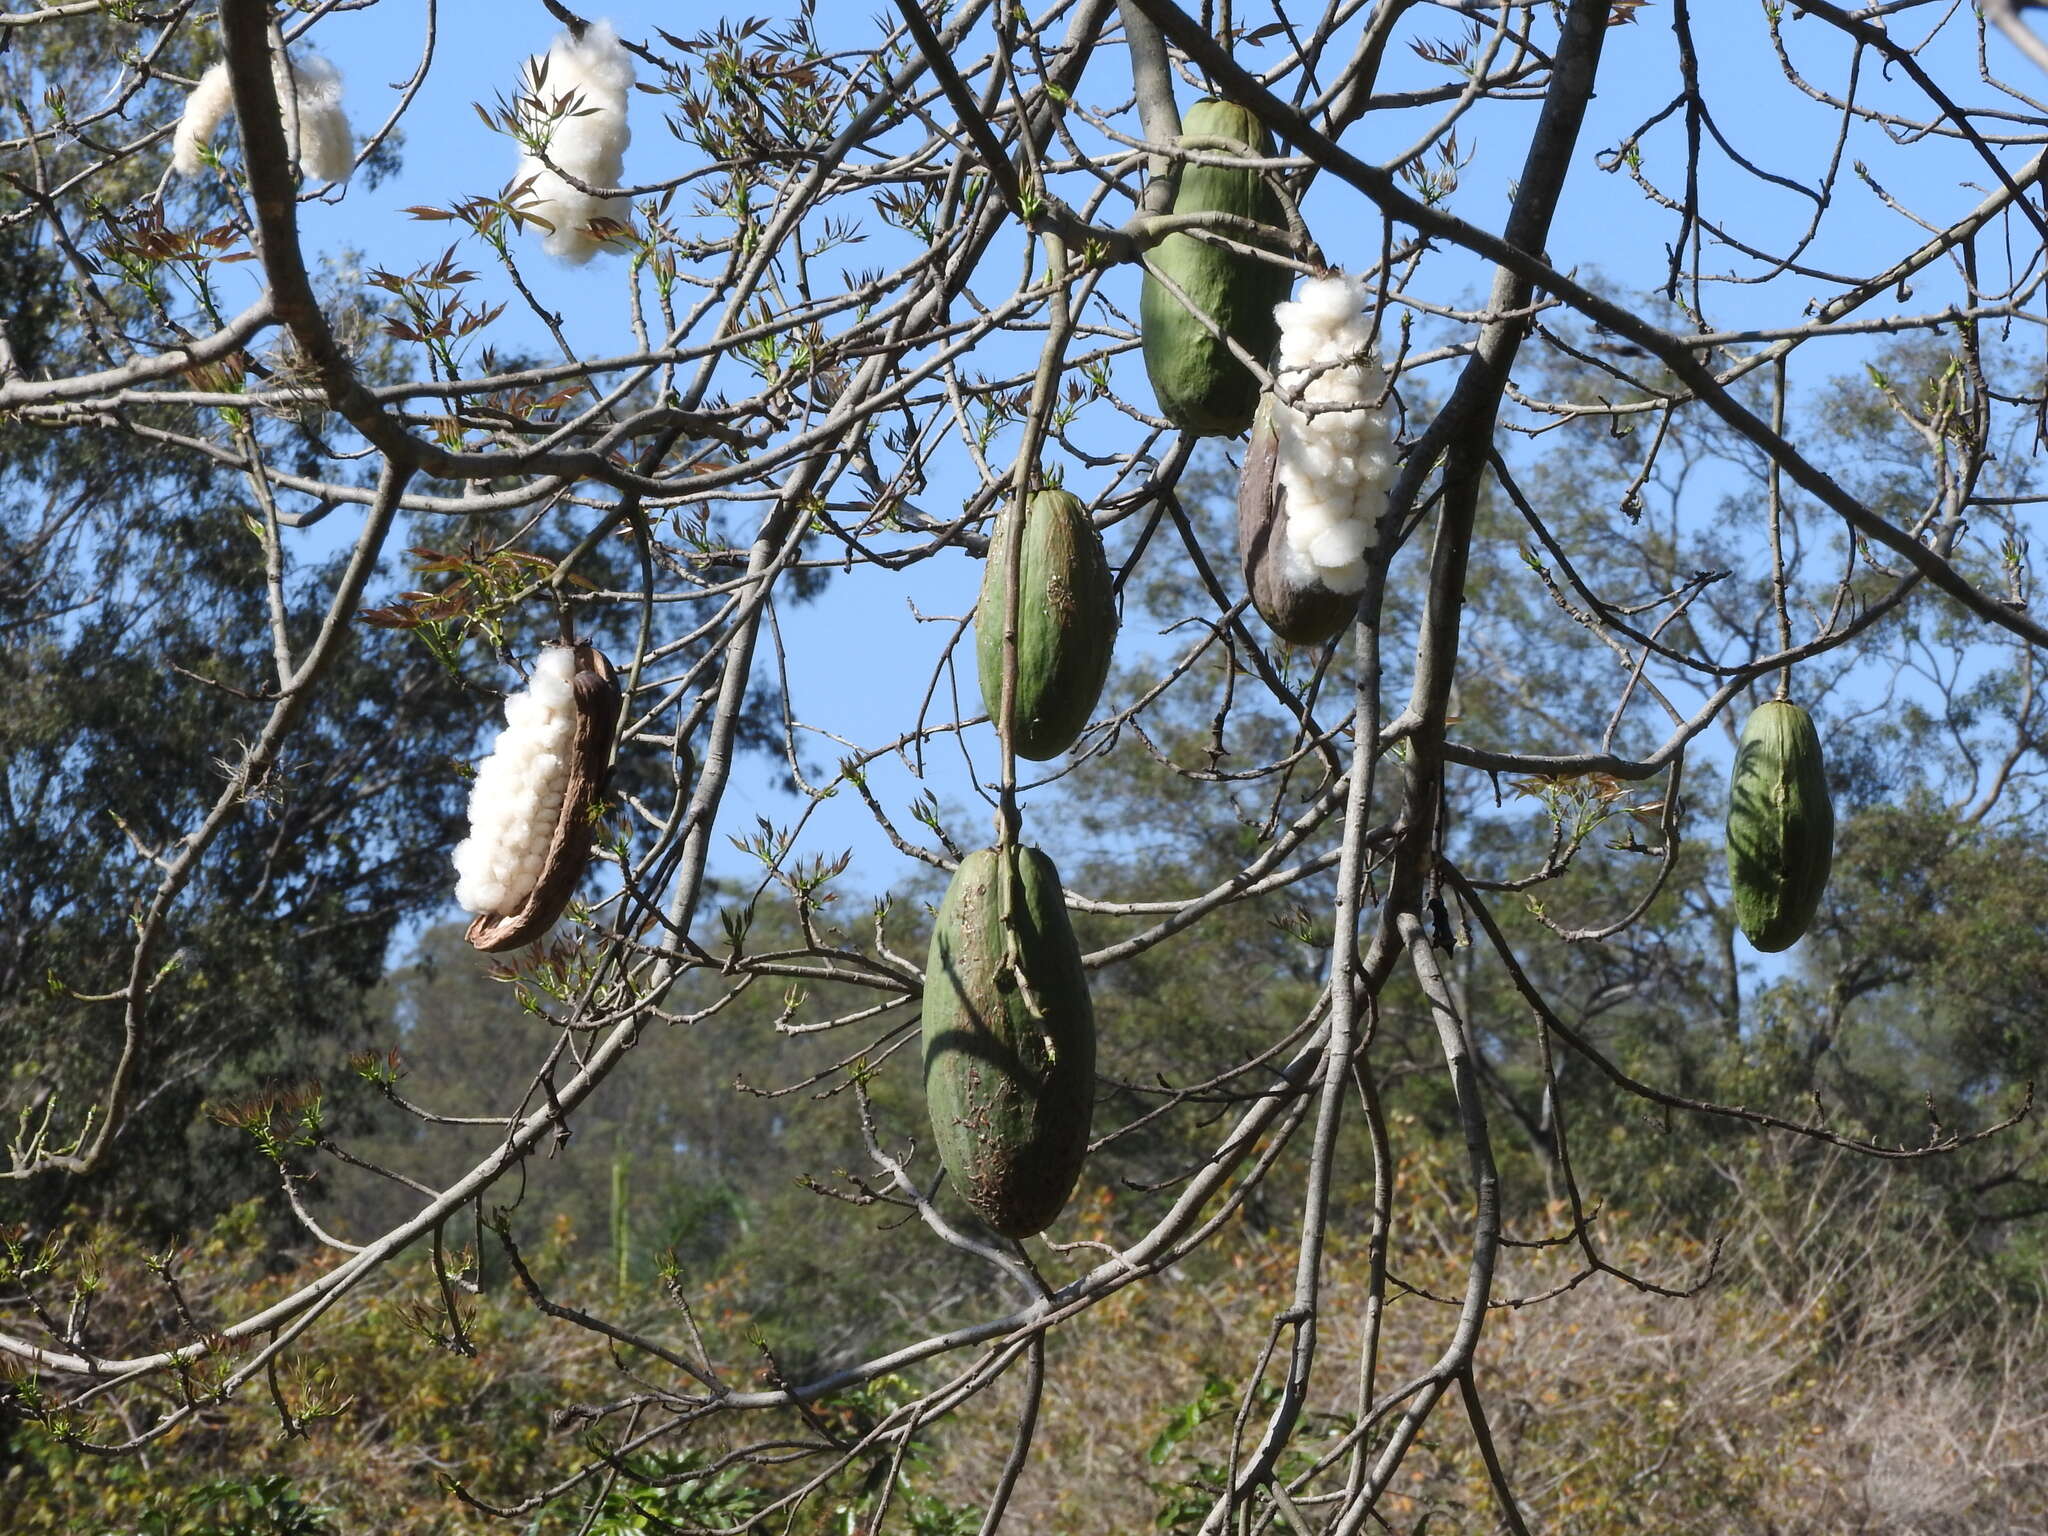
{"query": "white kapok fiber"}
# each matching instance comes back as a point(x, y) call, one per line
point(1335, 458)
point(589, 79)
point(322, 144)
point(316, 128)
point(211, 101)
point(517, 797)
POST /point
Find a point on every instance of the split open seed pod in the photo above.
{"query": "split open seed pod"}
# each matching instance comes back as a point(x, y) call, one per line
point(595, 690)
point(1294, 603)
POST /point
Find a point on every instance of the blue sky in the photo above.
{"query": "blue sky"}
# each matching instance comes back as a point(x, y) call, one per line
point(860, 659)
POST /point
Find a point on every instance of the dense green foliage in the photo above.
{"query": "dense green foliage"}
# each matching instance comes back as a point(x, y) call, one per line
point(134, 642)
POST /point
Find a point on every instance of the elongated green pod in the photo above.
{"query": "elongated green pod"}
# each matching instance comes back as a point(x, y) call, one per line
point(1200, 386)
point(1781, 826)
point(1066, 625)
point(1009, 1040)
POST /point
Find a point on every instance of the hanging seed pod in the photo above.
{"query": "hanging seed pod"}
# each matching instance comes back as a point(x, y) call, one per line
point(1066, 624)
point(1200, 384)
point(1285, 589)
point(1009, 1040)
point(1781, 826)
point(1315, 480)
point(530, 808)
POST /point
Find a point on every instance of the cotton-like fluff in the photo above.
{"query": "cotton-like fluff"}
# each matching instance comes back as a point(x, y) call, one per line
point(210, 102)
point(517, 797)
point(593, 75)
point(1335, 464)
point(316, 130)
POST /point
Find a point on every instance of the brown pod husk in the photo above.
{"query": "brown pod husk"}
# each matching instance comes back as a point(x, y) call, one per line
point(1300, 613)
point(598, 702)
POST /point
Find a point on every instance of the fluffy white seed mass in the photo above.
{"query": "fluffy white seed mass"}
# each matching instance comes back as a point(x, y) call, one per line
point(316, 128)
point(589, 78)
point(322, 143)
point(1335, 458)
point(517, 797)
point(208, 104)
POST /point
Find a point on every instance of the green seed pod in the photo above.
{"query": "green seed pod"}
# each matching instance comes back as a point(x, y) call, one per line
point(1009, 1040)
point(1200, 386)
point(1066, 625)
point(1781, 826)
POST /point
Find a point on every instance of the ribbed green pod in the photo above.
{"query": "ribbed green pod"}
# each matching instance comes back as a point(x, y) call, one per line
point(1010, 1092)
point(1066, 624)
point(1781, 826)
point(1200, 386)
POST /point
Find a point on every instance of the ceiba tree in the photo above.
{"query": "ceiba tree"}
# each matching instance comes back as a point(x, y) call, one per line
point(779, 425)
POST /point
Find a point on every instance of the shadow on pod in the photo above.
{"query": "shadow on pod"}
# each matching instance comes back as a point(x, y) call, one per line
point(1781, 826)
point(1009, 1040)
point(1066, 624)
